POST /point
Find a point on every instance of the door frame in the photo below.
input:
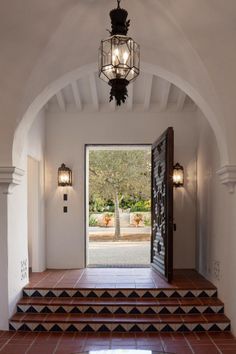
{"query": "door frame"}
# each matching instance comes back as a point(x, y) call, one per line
point(86, 186)
point(33, 211)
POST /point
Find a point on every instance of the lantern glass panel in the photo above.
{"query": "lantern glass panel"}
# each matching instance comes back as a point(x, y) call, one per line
point(64, 176)
point(178, 176)
point(119, 58)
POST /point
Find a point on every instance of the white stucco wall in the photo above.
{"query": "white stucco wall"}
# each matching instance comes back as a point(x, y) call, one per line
point(66, 136)
point(17, 240)
point(216, 223)
point(190, 42)
point(36, 150)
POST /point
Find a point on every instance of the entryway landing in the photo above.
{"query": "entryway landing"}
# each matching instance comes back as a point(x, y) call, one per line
point(120, 301)
point(107, 278)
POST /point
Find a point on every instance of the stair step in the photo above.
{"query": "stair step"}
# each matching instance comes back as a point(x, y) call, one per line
point(121, 302)
point(120, 293)
point(134, 307)
point(118, 318)
point(119, 323)
point(127, 310)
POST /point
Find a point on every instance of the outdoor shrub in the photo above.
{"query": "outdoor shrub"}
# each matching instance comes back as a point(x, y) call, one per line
point(96, 205)
point(142, 205)
point(147, 221)
point(93, 221)
point(110, 208)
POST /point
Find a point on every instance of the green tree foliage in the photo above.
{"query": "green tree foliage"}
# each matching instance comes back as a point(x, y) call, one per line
point(141, 205)
point(117, 175)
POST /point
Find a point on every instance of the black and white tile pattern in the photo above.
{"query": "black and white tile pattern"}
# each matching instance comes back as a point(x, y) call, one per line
point(118, 327)
point(120, 293)
point(119, 310)
point(114, 309)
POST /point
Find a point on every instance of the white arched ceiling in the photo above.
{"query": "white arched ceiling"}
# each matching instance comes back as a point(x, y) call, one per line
point(167, 41)
point(161, 91)
point(149, 93)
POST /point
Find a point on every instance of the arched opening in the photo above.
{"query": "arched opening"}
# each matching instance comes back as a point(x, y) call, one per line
point(53, 88)
point(87, 73)
point(187, 61)
point(66, 134)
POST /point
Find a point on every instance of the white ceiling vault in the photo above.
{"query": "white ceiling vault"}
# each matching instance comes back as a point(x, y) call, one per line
point(148, 93)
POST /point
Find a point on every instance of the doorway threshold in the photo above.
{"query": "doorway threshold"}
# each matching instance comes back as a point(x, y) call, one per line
point(118, 266)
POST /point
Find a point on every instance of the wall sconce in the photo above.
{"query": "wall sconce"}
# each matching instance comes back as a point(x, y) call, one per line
point(178, 175)
point(64, 176)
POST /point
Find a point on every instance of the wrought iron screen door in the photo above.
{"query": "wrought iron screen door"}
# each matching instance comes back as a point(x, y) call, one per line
point(162, 204)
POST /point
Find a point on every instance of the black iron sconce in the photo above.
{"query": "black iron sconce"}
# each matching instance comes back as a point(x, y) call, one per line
point(64, 176)
point(64, 180)
point(178, 176)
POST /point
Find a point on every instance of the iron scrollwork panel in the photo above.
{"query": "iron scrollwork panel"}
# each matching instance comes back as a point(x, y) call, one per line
point(160, 200)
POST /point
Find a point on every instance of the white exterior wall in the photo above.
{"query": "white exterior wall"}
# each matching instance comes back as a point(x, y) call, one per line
point(66, 136)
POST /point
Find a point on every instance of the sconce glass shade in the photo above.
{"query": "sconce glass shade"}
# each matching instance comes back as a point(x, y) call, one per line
point(178, 176)
point(64, 176)
point(119, 59)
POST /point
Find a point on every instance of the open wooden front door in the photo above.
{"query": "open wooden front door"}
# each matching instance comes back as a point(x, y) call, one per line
point(162, 204)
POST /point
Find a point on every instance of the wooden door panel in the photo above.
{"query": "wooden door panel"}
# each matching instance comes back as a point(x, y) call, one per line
point(162, 204)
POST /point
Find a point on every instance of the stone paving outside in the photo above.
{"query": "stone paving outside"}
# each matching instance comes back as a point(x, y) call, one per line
point(134, 249)
point(130, 230)
point(108, 253)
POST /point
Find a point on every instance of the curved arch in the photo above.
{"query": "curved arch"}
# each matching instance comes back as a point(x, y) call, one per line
point(38, 103)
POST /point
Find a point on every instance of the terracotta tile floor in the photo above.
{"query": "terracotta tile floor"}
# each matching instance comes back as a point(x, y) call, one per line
point(116, 278)
point(48, 343)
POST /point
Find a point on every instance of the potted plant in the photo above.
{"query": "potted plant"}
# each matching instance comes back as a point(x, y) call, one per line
point(137, 219)
point(107, 218)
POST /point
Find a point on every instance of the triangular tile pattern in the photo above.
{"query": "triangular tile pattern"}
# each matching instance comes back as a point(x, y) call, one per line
point(183, 329)
point(71, 328)
point(119, 310)
point(120, 293)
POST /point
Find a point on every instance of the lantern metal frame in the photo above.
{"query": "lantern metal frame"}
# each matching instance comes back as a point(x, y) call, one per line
point(119, 56)
point(64, 170)
point(180, 170)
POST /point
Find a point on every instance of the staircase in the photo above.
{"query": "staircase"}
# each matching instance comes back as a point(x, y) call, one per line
point(119, 310)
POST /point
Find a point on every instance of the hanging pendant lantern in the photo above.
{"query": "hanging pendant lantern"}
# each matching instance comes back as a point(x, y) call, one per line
point(119, 56)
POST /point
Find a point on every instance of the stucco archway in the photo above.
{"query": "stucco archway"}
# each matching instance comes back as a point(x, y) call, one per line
point(39, 102)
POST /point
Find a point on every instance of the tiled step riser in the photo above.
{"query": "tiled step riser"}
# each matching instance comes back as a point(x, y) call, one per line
point(114, 302)
point(119, 328)
point(132, 310)
point(120, 293)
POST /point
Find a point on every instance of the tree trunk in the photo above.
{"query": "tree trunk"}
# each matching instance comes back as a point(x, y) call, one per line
point(117, 218)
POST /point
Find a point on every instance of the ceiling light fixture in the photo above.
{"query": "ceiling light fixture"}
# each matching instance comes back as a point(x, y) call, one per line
point(119, 56)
